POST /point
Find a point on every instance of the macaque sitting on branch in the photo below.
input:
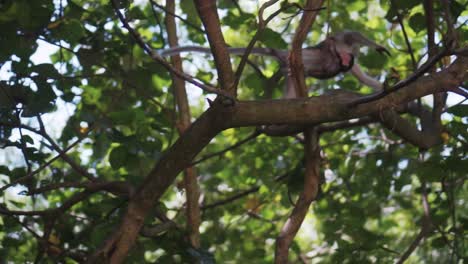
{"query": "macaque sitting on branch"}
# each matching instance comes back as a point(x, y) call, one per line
point(336, 54)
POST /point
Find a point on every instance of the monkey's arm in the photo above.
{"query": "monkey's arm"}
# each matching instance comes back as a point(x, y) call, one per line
point(366, 79)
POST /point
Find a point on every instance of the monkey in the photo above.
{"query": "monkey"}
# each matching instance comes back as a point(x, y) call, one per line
point(336, 54)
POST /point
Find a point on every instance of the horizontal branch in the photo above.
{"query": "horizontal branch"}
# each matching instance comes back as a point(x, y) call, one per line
point(334, 106)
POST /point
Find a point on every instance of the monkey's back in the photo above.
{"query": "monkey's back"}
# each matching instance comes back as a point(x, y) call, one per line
point(323, 61)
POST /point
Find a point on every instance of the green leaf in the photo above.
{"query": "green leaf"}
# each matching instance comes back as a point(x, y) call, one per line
point(18, 204)
point(30, 15)
point(273, 39)
point(254, 82)
point(74, 11)
point(4, 170)
point(10, 11)
point(118, 157)
point(460, 110)
point(456, 9)
point(417, 22)
point(41, 101)
point(71, 30)
point(27, 139)
point(438, 242)
point(91, 95)
point(406, 4)
point(46, 70)
point(188, 7)
point(373, 60)
point(236, 21)
point(431, 171)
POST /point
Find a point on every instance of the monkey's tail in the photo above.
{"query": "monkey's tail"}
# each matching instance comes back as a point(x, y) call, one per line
point(258, 51)
point(177, 50)
point(236, 51)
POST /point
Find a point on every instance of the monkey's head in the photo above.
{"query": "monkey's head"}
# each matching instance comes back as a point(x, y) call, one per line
point(353, 41)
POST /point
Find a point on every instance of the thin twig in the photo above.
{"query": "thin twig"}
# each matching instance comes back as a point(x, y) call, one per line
point(426, 226)
point(54, 146)
point(412, 247)
point(418, 73)
point(239, 195)
point(232, 198)
point(153, 3)
point(42, 167)
point(261, 28)
point(23, 145)
point(405, 35)
point(155, 56)
point(254, 134)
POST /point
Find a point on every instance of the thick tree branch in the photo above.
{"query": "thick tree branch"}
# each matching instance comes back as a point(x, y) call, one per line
point(296, 66)
point(192, 189)
point(311, 187)
point(334, 106)
point(209, 16)
point(424, 139)
point(311, 146)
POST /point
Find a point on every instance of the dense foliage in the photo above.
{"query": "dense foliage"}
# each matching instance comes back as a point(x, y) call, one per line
point(85, 114)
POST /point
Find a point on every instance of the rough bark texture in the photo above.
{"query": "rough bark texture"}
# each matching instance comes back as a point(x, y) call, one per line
point(209, 16)
point(296, 67)
point(311, 146)
point(439, 98)
point(192, 189)
point(311, 187)
point(334, 105)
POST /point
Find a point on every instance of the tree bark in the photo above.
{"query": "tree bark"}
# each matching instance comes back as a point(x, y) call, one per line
point(311, 187)
point(192, 189)
point(311, 147)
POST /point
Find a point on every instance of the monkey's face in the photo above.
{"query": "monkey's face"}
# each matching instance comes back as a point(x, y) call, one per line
point(346, 59)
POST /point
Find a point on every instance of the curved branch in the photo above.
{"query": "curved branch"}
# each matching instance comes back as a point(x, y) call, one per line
point(296, 67)
point(209, 16)
point(308, 195)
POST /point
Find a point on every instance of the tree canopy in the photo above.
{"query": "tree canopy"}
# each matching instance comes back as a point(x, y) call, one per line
point(111, 153)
